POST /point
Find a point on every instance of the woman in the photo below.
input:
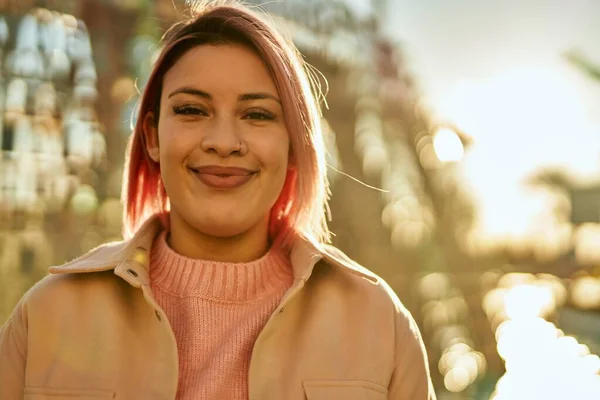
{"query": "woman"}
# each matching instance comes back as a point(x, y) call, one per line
point(224, 287)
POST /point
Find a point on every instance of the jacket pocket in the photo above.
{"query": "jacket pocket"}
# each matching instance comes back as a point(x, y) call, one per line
point(343, 390)
point(40, 393)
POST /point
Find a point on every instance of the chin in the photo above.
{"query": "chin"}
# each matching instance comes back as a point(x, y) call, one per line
point(224, 228)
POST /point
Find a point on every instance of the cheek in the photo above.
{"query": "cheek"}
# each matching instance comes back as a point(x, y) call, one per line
point(278, 150)
point(279, 160)
point(173, 142)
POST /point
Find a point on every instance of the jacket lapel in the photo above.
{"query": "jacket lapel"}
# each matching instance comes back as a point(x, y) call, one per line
point(133, 254)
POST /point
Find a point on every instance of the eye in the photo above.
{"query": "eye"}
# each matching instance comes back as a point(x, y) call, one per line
point(260, 115)
point(188, 110)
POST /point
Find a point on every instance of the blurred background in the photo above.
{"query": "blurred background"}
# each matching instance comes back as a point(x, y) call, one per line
point(471, 129)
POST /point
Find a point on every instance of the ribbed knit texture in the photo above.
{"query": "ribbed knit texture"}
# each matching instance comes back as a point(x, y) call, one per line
point(217, 311)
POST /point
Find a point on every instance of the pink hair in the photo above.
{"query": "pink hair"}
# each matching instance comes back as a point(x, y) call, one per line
point(302, 205)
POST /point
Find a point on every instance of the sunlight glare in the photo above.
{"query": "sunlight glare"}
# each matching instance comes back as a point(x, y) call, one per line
point(447, 145)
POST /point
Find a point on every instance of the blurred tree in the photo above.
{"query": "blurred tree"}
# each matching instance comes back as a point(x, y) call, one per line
point(585, 199)
point(580, 60)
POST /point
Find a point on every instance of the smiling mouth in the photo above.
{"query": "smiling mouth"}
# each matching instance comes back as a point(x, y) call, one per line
point(222, 178)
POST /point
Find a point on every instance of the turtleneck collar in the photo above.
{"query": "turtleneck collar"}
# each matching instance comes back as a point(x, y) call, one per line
point(220, 281)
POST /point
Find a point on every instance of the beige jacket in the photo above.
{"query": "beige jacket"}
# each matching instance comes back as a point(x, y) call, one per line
point(92, 330)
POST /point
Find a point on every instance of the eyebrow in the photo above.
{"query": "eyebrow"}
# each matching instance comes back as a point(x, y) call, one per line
point(258, 96)
point(208, 96)
point(192, 91)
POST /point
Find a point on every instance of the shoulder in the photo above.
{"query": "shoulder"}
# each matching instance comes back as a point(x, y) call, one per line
point(52, 298)
point(366, 283)
point(69, 289)
point(377, 297)
point(80, 277)
point(371, 300)
point(336, 257)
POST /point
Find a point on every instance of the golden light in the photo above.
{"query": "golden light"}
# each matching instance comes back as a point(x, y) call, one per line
point(123, 89)
point(457, 379)
point(434, 285)
point(585, 292)
point(591, 363)
point(513, 279)
point(558, 289)
point(521, 119)
point(447, 336)
point(444, 314)
point(469, 363)
point(528, 301)
point(447, 145)
point(541, 361)
point(587, 237)
point(530, 104)
point(409, 233)
point(85, 200)
point(493, 301)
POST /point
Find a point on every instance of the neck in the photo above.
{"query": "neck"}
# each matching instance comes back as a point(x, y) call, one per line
point(241, 248)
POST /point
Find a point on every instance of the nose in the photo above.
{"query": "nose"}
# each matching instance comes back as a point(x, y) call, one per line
point(222, 137)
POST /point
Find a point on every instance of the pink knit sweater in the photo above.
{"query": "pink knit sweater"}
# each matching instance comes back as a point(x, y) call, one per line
point(217, 311)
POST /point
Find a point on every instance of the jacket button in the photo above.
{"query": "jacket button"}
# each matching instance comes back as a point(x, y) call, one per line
point(132, 272)
point(157, 315)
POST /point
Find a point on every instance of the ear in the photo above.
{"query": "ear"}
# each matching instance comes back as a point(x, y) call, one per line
point(150, 128)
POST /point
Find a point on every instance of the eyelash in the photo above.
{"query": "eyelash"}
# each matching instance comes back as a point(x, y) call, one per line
point(259, 115)
point(188, 110)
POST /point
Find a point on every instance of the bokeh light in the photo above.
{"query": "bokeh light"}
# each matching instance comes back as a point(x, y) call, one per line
point(447, 145)
point(541, 361)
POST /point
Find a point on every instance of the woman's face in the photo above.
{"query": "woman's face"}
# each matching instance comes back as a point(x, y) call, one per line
point(221, 140)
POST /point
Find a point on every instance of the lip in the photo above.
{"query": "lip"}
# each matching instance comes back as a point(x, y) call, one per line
point(219, 177)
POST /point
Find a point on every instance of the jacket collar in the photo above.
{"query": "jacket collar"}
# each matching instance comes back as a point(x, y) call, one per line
point(130, 258)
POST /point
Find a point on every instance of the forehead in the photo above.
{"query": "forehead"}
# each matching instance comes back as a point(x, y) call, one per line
point(215, 68)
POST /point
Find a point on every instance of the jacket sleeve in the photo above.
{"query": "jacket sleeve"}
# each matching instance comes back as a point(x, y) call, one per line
point(13, 353)
point(411, 379)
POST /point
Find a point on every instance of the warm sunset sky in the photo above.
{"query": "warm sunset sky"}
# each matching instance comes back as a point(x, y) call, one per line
point(497, 69)
point(491, 64)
